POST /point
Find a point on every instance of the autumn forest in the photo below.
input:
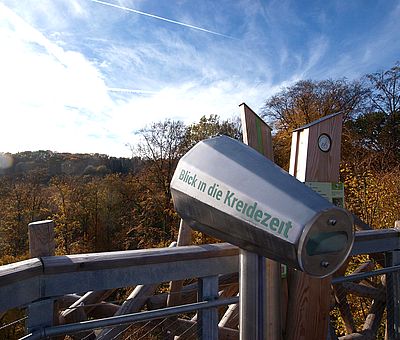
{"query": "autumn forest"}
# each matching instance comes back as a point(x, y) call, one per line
point(102, 203)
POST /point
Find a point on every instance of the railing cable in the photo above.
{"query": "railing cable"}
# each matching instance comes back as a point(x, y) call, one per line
point(13, 323)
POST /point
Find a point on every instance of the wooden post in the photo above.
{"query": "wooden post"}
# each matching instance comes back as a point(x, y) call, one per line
point(41, 243)
point(223, 332)
point(265, 278)
point(41, 238)
point(315, 156)
point(184, 239)
point(256, 133)
point(174, 297)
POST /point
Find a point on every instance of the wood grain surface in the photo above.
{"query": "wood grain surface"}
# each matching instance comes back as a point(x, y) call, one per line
point(309, 298)
point(257, 134)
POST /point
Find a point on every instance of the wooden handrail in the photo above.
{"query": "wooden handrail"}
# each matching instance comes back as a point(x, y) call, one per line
point(119, 259)
point(21, 270)
point(100, 261)
point(53, 276)
point(31, 276)
point(371, 241)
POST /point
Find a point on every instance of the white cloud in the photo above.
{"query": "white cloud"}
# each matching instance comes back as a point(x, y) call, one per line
point(317, 49)
point(42, 86)
point(79, 76)
point(187, 102)
point(57, 99)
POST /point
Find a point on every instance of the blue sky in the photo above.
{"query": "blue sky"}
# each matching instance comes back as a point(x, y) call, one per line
point(84, 75)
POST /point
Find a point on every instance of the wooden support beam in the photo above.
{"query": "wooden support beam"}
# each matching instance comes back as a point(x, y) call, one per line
point(374, 316)
point(84, 306)
point(189, 292)
point(364, 291)
point(103, 309)
point(365, 335)
point(67, 300)
point(132, 304)
point(231, 317)
point(344, 308)
point(364, 267)
point(340, 294)
point(266, 281)
point(309, 298)
point(224, 333)
point(175, 295)
point(184, 239)
point(229, 290)
point(371, 324)
point(226, 290)
point(135, 301)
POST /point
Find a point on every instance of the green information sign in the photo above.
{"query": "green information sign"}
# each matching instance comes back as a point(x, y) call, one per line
point(333, 192)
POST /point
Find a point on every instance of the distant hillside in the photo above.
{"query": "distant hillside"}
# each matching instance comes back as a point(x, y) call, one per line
point(53, 163)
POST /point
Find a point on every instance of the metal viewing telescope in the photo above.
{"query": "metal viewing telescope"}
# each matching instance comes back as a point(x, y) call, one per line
point(228, 190)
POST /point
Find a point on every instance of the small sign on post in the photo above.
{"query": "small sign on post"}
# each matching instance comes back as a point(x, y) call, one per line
point(332, 191)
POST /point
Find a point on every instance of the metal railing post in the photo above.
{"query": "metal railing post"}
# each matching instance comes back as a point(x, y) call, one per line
point(40, 315)
point(208, 318)
point(249, 295)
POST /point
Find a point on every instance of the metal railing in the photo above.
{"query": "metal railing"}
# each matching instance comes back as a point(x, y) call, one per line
point(36, 284)
point(368, 297)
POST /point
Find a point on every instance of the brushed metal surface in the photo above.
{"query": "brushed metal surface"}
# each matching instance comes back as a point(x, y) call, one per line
point(228, 190)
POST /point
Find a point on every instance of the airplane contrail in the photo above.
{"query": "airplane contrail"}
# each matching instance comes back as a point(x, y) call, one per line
point(161, 18)
point(122, 90)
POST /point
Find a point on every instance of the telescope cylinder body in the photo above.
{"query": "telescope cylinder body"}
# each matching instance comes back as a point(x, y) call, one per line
point(228, 190)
